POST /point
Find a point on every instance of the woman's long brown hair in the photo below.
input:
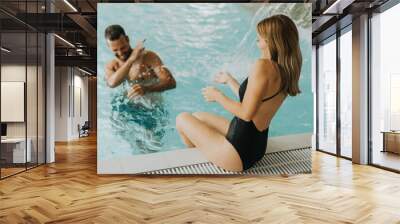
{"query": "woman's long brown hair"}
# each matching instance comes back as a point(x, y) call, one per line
point(282, 38)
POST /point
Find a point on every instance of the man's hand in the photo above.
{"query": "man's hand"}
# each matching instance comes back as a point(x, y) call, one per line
point(136, 90)
point(137, 51)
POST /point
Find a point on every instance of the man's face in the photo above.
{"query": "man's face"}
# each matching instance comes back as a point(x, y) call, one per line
point(121, 47)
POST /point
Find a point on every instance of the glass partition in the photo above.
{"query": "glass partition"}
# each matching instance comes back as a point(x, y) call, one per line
point(14, 153)
point(346, 93)
point(327, 96)
point(385, 89)
point(22, 91)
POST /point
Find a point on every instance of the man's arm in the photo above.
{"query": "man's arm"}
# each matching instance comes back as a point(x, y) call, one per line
point(114, 77)
point(166, 79)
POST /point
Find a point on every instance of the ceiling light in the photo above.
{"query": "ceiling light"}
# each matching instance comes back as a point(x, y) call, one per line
point(70, 5)
point(337, 7)
point(84, 71)
point(80, 51)
point(64, 40)
point(5, 49)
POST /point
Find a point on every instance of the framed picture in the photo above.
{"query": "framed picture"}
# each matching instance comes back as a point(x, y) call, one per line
point(158, 63)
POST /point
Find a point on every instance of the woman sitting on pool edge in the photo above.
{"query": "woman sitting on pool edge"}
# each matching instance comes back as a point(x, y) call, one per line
point(238, 144)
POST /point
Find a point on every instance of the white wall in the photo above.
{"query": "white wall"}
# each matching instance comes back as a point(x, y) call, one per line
point(79, 117)
point(12, 73)
point(69, 82)
point(61, 103)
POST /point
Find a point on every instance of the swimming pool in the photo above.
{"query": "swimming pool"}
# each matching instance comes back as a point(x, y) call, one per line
point(195, 41)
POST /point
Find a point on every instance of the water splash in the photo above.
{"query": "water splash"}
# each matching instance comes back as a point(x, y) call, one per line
point(239, 62)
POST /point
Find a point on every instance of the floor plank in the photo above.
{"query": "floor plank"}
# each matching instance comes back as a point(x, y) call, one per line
point(70, 191)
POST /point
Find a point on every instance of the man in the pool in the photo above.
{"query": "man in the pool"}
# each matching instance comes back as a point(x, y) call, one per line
point(136, 66)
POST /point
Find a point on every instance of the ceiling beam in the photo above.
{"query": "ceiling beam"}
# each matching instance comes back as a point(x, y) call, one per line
point(320, 22)
point(81, 61)
point(86, 26)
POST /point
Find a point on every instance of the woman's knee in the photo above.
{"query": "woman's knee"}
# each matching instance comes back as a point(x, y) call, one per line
point(198, 115)
point(180, 119)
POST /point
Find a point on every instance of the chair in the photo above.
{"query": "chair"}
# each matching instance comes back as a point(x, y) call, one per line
point(84, 130)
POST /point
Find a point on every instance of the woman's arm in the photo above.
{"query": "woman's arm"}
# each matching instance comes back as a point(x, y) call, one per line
point(246, 109)
point(226, 78)
point(234, 85)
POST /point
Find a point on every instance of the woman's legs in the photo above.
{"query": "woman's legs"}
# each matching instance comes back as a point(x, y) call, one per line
point(219, 123)
point(185, 139)
point(209, 141)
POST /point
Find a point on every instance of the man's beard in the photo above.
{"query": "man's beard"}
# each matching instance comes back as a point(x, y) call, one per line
point(125, 56)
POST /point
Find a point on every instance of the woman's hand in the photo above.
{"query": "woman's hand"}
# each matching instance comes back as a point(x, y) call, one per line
point(222, 77)
point(211, 94)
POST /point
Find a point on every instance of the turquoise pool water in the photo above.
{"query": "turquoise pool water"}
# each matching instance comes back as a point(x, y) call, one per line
point(195, 41)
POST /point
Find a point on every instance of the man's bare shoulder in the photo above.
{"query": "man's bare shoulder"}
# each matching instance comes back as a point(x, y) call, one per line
point(151, 56)
point(150, 53)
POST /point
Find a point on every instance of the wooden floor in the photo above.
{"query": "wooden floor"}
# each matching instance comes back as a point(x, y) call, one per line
point(5, 172)
point(9, 171)
point(70, 191)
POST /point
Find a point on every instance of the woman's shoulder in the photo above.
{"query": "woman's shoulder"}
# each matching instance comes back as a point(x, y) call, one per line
point(263, 68)
point(264, 63)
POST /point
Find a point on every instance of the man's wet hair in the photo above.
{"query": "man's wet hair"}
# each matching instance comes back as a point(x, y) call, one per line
point(114, 32)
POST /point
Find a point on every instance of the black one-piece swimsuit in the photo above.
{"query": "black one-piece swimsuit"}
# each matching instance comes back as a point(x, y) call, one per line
point(248, 141)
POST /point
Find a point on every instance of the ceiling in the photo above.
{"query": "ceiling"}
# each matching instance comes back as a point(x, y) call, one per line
point(76, 20)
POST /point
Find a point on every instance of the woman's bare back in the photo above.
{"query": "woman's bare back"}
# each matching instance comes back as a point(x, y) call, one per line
point(268, 108)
